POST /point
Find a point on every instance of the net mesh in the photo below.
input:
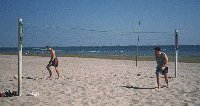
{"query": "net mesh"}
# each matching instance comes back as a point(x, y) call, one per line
point(42, 35)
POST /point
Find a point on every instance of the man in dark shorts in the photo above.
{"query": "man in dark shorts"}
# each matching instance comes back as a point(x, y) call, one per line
point(53, 62)
point(162, 61)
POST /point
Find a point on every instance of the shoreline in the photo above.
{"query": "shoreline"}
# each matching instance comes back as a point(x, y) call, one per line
point(184, 59)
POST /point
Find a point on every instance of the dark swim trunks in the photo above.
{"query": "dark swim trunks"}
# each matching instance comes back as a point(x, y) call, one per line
point(163, 72)
point(55, 62)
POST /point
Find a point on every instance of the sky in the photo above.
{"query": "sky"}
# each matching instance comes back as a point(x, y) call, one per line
point(99, 22)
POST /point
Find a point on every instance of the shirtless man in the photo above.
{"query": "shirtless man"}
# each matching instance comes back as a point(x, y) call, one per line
point(53, 62)
point(162, 61)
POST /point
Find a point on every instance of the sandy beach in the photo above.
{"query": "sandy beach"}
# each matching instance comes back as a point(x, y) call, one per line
point(98, 82)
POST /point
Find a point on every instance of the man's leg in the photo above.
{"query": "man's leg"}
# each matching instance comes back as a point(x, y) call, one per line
point(166, 79)
point(158, 82)
point(57, 71)
point(157, 77)
point(50, 73)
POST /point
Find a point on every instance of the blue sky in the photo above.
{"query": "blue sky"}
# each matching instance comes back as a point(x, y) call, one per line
point(80, 22)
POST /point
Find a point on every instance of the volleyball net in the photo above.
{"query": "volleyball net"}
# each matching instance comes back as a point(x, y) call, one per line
point(136, 43)
point(126, 43)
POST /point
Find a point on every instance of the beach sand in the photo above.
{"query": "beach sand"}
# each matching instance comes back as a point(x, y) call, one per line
point(99, 82)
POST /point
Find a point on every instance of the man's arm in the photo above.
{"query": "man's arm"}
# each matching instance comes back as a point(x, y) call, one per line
point(166, 59)
point(52, 55)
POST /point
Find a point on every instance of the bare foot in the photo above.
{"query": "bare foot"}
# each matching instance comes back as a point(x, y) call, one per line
point(168, 86)
point(49, 77)
point(157, 89)
point(58, 78)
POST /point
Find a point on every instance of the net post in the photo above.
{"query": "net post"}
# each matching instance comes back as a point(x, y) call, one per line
point(136, 58)
point(20, 38)
point(176, 52)
point(137, 50)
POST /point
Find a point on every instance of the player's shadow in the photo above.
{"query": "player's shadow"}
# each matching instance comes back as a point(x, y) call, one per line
point(163, 77)
point(134, 87)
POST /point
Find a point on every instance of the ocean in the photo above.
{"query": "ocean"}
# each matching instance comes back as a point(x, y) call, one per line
point(184, 50)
